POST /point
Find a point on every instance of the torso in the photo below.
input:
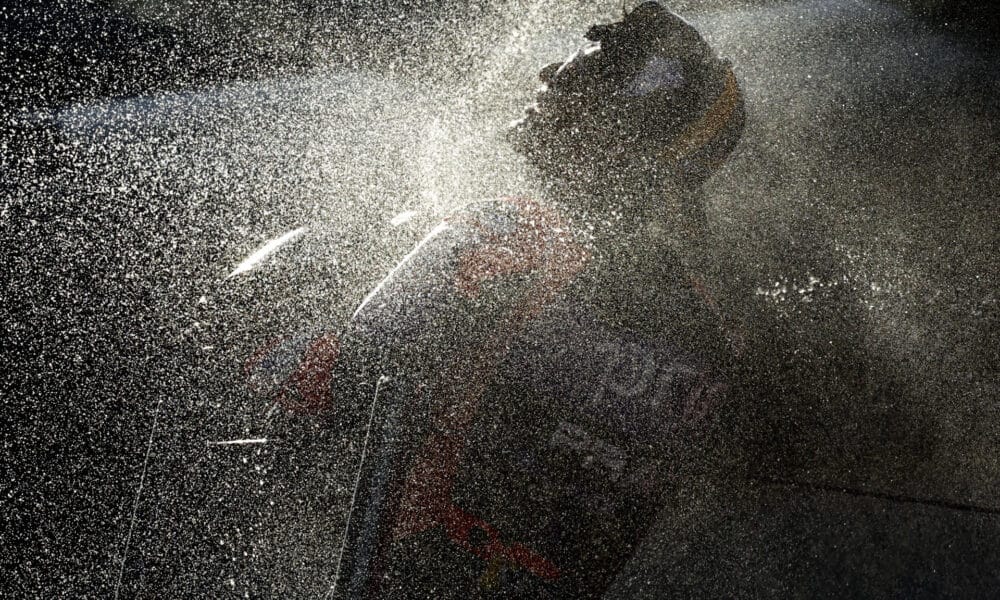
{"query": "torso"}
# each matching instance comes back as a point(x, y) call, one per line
point(557, 455)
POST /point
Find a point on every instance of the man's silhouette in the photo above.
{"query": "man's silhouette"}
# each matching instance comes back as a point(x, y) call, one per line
point(528, 379)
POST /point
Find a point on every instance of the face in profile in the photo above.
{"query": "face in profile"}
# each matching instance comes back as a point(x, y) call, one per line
point(606, 109)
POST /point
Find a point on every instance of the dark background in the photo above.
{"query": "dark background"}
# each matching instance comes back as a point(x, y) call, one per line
point(147, 147)
point(58, 52)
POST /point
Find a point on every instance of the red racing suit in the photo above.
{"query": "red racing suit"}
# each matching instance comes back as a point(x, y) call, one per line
point(519, 423)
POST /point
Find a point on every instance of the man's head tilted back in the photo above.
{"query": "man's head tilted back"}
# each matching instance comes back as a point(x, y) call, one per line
point(647, 100)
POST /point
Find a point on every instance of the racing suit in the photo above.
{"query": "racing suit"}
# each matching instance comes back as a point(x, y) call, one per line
point(523, 399)
point(523, 394)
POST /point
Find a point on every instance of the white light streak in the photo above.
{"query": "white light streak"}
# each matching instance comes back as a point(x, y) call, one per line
point(402, 217)
point(416, 250)
point(266, 250)
point(239, 442)
point(138, 496)
point(357, 485)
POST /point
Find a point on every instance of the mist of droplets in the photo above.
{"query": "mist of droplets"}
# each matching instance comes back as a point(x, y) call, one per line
point(154, 237)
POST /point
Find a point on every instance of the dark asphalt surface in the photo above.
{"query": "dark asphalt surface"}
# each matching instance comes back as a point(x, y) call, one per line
point(857, 219)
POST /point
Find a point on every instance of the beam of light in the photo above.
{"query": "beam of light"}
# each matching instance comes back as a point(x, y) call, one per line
point(416, 250)
point(402, 217)
point(357, 486)
point(264, 251)
point(138, 496)
point(245, 442)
